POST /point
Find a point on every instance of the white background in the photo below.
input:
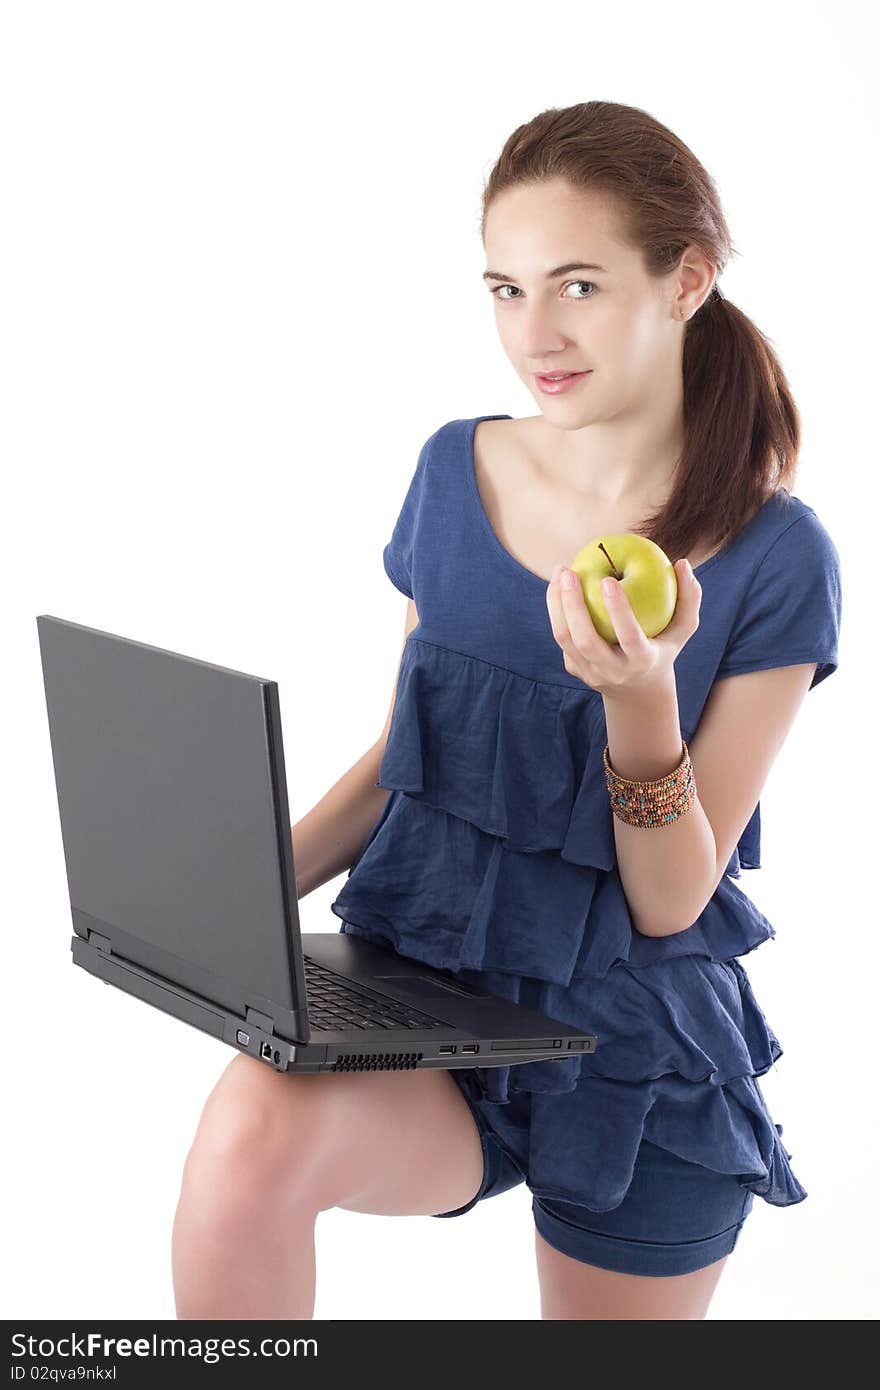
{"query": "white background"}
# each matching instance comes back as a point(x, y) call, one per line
point(241, 286)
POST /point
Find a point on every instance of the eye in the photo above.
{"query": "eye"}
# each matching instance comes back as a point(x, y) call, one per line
point(506, 298)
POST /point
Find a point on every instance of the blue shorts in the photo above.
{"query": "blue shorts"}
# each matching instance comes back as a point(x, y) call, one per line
point(676, 1216)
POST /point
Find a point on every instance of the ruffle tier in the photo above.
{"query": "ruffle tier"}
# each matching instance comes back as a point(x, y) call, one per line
point(679, 1051)
point(514, 756)
point(680, 1048)
point(519, 758)
point(441, 889)
point(522, 759)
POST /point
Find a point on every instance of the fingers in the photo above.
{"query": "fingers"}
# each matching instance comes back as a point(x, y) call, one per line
point(572, 613)
point(629, 630)
point(558, 621)
point(570, 618)
point(572, 625)
point(685, 618)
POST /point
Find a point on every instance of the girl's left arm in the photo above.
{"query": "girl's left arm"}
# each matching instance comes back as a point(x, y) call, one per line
point(670, 872)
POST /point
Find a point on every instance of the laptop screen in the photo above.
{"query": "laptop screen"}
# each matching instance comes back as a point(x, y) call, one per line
point(172, 818)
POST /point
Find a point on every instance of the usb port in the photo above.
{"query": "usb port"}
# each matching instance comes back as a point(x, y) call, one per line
point(470, 1047)
point(449, 1049)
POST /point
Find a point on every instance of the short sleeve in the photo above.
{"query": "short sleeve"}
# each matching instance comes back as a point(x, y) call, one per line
point(792, 609)
point(398, 555)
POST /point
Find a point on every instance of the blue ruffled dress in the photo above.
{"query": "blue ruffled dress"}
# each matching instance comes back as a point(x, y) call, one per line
point(494, 856)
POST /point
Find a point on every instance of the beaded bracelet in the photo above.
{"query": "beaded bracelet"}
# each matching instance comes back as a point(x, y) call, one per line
point(652, 804)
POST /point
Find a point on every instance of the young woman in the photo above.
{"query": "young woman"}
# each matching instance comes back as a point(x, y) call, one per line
point(497, 828)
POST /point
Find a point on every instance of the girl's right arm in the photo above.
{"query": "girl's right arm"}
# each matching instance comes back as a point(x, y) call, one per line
point(328, 839)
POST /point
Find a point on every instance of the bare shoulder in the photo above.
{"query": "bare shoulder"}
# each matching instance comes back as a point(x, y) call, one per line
point(508, 431)
point(507, 444)
point(498, 461)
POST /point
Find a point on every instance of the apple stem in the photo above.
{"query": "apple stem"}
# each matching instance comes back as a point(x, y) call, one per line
point(617, 574)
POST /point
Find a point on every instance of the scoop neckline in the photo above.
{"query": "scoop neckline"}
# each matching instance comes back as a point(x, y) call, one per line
point(490, 530)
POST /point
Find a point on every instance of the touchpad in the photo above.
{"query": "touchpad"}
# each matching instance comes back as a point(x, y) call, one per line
point(423, 987)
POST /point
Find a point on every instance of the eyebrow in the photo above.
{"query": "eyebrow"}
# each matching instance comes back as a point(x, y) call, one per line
point(551, 274)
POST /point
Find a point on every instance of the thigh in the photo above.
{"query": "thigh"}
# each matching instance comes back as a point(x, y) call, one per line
point(571, 1289)
point(390, 1143)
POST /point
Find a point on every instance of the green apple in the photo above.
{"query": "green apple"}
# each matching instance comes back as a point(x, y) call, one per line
point(645, 573)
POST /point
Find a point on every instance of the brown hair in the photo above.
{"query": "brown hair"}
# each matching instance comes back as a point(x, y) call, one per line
point(741, 425)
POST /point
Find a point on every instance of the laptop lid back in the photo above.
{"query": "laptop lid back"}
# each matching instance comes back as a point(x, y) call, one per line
point(174, 817)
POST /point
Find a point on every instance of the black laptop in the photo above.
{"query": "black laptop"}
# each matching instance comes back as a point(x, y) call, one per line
point(175, 824)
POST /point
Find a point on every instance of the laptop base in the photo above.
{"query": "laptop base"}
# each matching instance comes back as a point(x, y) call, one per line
point(452, 1045)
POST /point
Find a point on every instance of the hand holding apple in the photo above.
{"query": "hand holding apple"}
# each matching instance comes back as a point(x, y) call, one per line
point(643, 572)
point(626, 639)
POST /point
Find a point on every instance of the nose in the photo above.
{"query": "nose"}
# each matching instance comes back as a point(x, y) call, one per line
point(540, 340)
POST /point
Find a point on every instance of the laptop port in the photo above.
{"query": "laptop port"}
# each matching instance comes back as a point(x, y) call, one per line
point(470, 1047)
point(447, 1049)
point(266, 1051)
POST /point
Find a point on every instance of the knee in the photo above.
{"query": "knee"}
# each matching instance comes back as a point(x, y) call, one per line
point(250, 1149)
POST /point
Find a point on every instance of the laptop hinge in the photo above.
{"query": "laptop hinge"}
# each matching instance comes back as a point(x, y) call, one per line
point(259, 1020)
point(101, 943)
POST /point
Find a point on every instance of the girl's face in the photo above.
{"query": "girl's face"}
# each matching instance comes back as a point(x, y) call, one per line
point(606, 317)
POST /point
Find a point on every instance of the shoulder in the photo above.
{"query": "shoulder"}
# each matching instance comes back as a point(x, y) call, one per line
point(797, 533)
point(791, 604)
point(487, 427)
point(502, 445)
point(441, 444)
point(453, 436)
point(488, 441)
point(504, 430)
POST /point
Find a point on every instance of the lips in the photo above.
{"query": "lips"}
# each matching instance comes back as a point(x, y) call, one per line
point(550, 386)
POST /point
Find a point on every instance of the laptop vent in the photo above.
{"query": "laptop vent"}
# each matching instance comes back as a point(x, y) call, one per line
point(377, 1061)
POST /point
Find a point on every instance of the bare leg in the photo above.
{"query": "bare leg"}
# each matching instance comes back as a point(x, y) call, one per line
point(572, 1289)
point(274, 1149)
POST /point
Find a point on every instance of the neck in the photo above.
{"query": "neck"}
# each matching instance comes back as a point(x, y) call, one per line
point(635, 472)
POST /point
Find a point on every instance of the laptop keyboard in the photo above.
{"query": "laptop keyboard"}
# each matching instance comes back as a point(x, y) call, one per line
point(335, 1002)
